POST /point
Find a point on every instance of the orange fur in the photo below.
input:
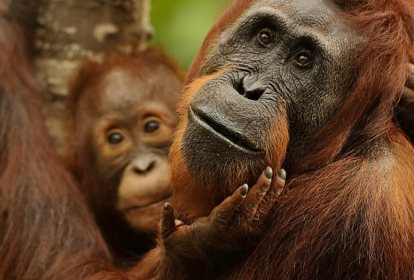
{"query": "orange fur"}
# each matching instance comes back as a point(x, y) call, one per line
point(349, 220)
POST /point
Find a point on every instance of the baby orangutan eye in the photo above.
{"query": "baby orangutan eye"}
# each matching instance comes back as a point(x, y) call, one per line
point(152, 126)
point(264, 37)
point(115, 138)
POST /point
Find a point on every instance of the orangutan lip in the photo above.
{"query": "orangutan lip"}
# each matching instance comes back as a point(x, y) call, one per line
point(159, 203)
point(223, 131)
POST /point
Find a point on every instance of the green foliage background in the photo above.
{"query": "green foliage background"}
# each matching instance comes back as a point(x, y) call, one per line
point(181, 25)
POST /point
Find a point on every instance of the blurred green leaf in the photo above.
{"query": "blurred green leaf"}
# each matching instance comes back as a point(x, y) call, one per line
point(181, 25)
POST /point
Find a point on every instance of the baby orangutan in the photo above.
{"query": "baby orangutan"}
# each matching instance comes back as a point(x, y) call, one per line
point(123, 120)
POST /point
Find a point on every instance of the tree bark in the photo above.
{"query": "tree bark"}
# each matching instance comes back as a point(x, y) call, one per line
point(70, 31)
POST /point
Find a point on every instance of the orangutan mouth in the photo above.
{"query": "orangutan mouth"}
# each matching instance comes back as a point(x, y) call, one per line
point(157, 204)
point(222, 131)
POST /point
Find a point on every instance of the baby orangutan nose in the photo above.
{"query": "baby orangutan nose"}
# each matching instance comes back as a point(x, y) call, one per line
point(144, 164)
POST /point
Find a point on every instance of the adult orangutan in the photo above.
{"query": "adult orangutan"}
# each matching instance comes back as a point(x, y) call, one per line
point(46, 228)
point(123, 117)
point(309, 85)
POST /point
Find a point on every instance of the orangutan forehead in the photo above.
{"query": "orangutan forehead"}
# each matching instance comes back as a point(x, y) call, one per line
point(125, 89)
point(121, 90)
point(315, 18)
point(319, 15)
point(312, 20)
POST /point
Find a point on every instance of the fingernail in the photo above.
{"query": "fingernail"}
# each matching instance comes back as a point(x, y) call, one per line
point(268, 173)
point(244, 190)
point(166, 206)
point(282, 174)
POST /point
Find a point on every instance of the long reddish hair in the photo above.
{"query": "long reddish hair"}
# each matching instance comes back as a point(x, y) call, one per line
point(46, 228)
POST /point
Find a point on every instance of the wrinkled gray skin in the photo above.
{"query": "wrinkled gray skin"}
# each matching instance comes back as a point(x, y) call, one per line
point(262, 81)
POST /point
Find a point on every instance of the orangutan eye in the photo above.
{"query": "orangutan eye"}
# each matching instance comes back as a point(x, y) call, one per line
point(152, 126)
point(115, 138)
point(303, 58)
point(264, 37)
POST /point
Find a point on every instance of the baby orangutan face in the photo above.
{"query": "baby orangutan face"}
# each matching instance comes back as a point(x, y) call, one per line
point(129, 119)
point(135, 132)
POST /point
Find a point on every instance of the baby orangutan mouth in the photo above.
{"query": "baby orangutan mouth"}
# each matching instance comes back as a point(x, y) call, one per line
point(156, 204)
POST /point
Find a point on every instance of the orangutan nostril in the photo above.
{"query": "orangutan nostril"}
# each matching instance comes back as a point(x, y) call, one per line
point(251, 89)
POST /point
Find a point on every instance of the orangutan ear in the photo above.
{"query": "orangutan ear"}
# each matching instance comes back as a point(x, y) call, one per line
point(404, 112)
point(410, 79)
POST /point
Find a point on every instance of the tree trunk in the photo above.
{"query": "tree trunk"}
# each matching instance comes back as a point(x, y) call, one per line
point(69, 31)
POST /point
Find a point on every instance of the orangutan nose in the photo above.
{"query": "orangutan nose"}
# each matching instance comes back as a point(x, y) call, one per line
point(253, 89)
point(144, 164)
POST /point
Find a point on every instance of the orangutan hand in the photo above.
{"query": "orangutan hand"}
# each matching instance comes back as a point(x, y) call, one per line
point(234, 225)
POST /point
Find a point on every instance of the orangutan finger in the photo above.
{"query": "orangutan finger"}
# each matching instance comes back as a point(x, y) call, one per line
point(280, 182)
point(273, 194)
point(225, 211)
point(167, 224)
point(257, 193)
